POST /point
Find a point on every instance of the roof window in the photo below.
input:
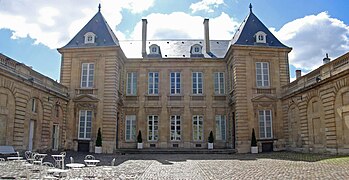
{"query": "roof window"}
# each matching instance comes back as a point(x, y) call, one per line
point(90, 37)
point(196, 49)
point(261, 37)
point(154, 51)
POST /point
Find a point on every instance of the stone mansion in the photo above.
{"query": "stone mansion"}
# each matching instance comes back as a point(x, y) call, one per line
point(175, 92)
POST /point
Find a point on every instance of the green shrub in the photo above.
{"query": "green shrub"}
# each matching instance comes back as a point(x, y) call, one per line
point(139, 137)
point(99, 138)
point(253, 140)
point(210, 137)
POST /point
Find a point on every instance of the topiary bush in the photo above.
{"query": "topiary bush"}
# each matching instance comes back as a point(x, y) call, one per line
point(210, 137)
point(139, 137)
point(253, 140)
point(99, 138)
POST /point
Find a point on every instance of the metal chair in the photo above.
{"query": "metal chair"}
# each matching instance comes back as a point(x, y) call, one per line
point(89, 157)
point(71, 160)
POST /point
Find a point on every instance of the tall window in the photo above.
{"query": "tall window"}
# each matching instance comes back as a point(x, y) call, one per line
point(175, 130)
point(265, 124)
point(198, 132)
point(175, 78)
point(85, 124)
point(87, 75)
point(153, 83)
point(197, 82)
point(219, 83)
point(131, 83)
point(153, 125)
point(220, 127)
point(130, 132)
point(34, 105)
point(262, 74)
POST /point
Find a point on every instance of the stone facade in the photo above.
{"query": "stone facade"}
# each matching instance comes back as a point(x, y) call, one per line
point(32, 108)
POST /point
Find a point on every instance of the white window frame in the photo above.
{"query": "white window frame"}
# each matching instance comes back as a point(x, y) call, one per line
point(84, 113)
point(261, 37)
point(153, 83)
point(154, 47)
point(153, 130)
point(194, 47)
point(219, 83)
point(175, 134)
point(265, 127)
point(263, 81)
point(130, 128)
point(175, 83)
point(90, 38)
point(131, 86)
point(89, 78)
point(221, 127)
point(197, 83)
point(197, 128)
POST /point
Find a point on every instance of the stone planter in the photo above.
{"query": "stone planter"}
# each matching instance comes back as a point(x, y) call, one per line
point(139, 145)
point(254, 149)
point(98, 149)
point(210, 145)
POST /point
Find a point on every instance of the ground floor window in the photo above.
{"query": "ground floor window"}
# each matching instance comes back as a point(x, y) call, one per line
point(265, 124)
point(175, 130)
point(153, 125)
point(130, 133)
point(220, 127)
point(198, 132)
point(85, 124)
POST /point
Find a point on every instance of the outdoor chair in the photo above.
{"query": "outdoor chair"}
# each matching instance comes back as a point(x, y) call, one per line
point(29, 156)
point(71, 160)
point(89, 157)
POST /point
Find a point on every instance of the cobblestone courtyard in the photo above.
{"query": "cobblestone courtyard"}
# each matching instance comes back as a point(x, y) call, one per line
point(276, 165)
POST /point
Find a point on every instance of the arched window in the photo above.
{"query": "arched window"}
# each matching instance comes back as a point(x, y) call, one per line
point(154, 49)
point(196, 49)
point(261, 37)
point(90, 37)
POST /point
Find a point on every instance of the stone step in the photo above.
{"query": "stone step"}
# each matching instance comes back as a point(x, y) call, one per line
point(175, 151)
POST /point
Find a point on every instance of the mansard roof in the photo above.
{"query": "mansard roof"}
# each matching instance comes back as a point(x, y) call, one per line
point(99, 26)
point(245, 35)
point(175, 48)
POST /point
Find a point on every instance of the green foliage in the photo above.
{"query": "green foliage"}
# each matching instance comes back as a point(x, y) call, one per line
point(210, 137)
point(253, 140)
point(139, 137)
point(99, 138)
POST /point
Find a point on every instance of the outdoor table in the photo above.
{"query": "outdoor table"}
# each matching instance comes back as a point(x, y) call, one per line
point(59, 160)
point(75, 165)
point(91, 162)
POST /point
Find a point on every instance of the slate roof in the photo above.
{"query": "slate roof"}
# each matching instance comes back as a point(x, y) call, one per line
point(248, 28)
point(99, 26)
point(175, 48)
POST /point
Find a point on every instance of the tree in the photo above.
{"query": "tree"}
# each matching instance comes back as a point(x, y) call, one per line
point(139, 137)
point(210, 137)
point(99, 138)
point(253, 140)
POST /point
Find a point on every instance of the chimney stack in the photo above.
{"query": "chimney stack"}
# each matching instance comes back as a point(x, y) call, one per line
point(207, 36)
point(144, 37)
point(298, 74)
point(326, 59)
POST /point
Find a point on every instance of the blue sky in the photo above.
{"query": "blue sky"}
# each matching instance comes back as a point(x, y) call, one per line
point(31, 31)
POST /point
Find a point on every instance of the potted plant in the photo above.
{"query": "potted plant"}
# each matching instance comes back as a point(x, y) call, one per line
point(254, 147)
point(98, 147)
point(139, 140)
point(210, 141)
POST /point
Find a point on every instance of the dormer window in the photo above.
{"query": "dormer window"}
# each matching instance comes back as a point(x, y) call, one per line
point(196, 49)
point(90, 38)
point(261, 37)
point(154, 51)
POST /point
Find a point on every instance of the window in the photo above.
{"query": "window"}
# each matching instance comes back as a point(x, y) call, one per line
point(175, 78)
point(130, 132)
point(57, 111)
point(131, 88)
point(262, 74)
point(175, 130)
point(85, 124)
point(153, 83)
point(34, 106)
point(198, 132)
point(219, 83)
point(197, 82)
point(87, 74)
point(196, 49)
point(220, 127)
point(154, 49)
point(89, 38)
point(265, 124)
point(261, 37)
point(153, 124)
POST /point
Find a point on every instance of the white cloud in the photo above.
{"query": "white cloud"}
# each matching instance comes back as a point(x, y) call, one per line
point(179, 25)
point(206, 5)
point(311, 37)
point(54, 24)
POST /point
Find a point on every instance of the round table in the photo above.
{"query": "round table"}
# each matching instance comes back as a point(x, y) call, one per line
point(75, 165)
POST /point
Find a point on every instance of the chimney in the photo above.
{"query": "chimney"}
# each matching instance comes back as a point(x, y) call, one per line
point(298, 73)
point(207, 36)
point(144, 37)
point(326, 59)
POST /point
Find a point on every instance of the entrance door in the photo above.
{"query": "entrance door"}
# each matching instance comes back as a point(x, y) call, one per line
point(55, 137)
point(31, 134)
